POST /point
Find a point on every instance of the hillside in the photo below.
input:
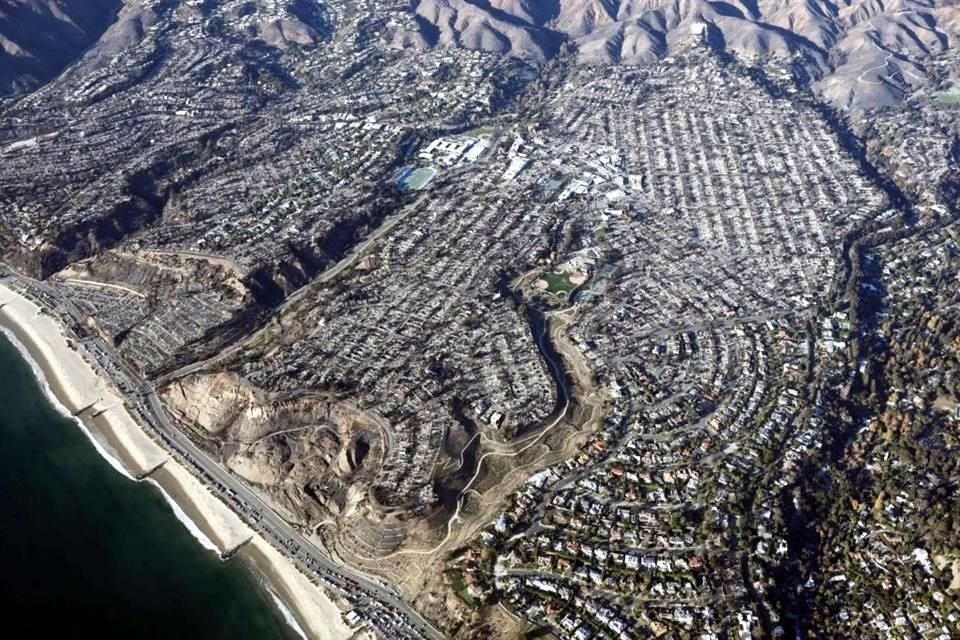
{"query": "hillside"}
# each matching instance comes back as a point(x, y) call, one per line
point(38, 38)
point(856, 53)
point(863, 53)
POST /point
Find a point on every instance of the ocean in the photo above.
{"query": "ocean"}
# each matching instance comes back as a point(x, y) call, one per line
point(87, 553)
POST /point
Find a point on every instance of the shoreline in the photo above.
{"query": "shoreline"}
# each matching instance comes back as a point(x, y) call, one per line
point(71, 384)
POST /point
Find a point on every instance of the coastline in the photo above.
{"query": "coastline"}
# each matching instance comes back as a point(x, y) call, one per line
point(72, 384)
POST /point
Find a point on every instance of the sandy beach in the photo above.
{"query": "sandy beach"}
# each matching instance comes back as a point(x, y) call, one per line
point(74, 384)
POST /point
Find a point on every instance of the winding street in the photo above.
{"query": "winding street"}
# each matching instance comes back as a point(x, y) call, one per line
point(463, 492)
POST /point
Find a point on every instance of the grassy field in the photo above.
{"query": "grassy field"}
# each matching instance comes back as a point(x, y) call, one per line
point(480, 131)
point(460, 587)
point(948, 98)
point(417, 179)
point(558, 282)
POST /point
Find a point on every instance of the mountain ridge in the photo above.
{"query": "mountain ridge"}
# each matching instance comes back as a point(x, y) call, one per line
point(863, 53)
point(858, 53)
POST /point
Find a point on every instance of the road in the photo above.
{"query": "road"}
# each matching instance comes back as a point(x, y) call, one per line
point(325, 277)
point(276, 530)
point(329, 274)
point(385, 609)
point(562, 389)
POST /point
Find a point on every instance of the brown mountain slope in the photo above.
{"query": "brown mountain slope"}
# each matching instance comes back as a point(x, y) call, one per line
point(864, 52)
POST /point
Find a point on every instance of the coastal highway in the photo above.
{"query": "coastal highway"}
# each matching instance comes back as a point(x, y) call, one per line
point(376, 602)
point(303, 552)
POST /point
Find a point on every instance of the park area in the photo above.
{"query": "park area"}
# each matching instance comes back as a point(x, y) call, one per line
point(415, 178)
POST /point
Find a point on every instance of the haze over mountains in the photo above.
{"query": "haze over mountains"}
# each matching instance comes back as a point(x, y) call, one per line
point(859, 52)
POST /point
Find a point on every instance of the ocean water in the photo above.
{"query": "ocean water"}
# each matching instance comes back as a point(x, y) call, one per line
point(87, 553)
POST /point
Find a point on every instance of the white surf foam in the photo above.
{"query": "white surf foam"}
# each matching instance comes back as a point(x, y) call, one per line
point(52, 398)
point(178, 512)
point(287, 614)
point(181, 515)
